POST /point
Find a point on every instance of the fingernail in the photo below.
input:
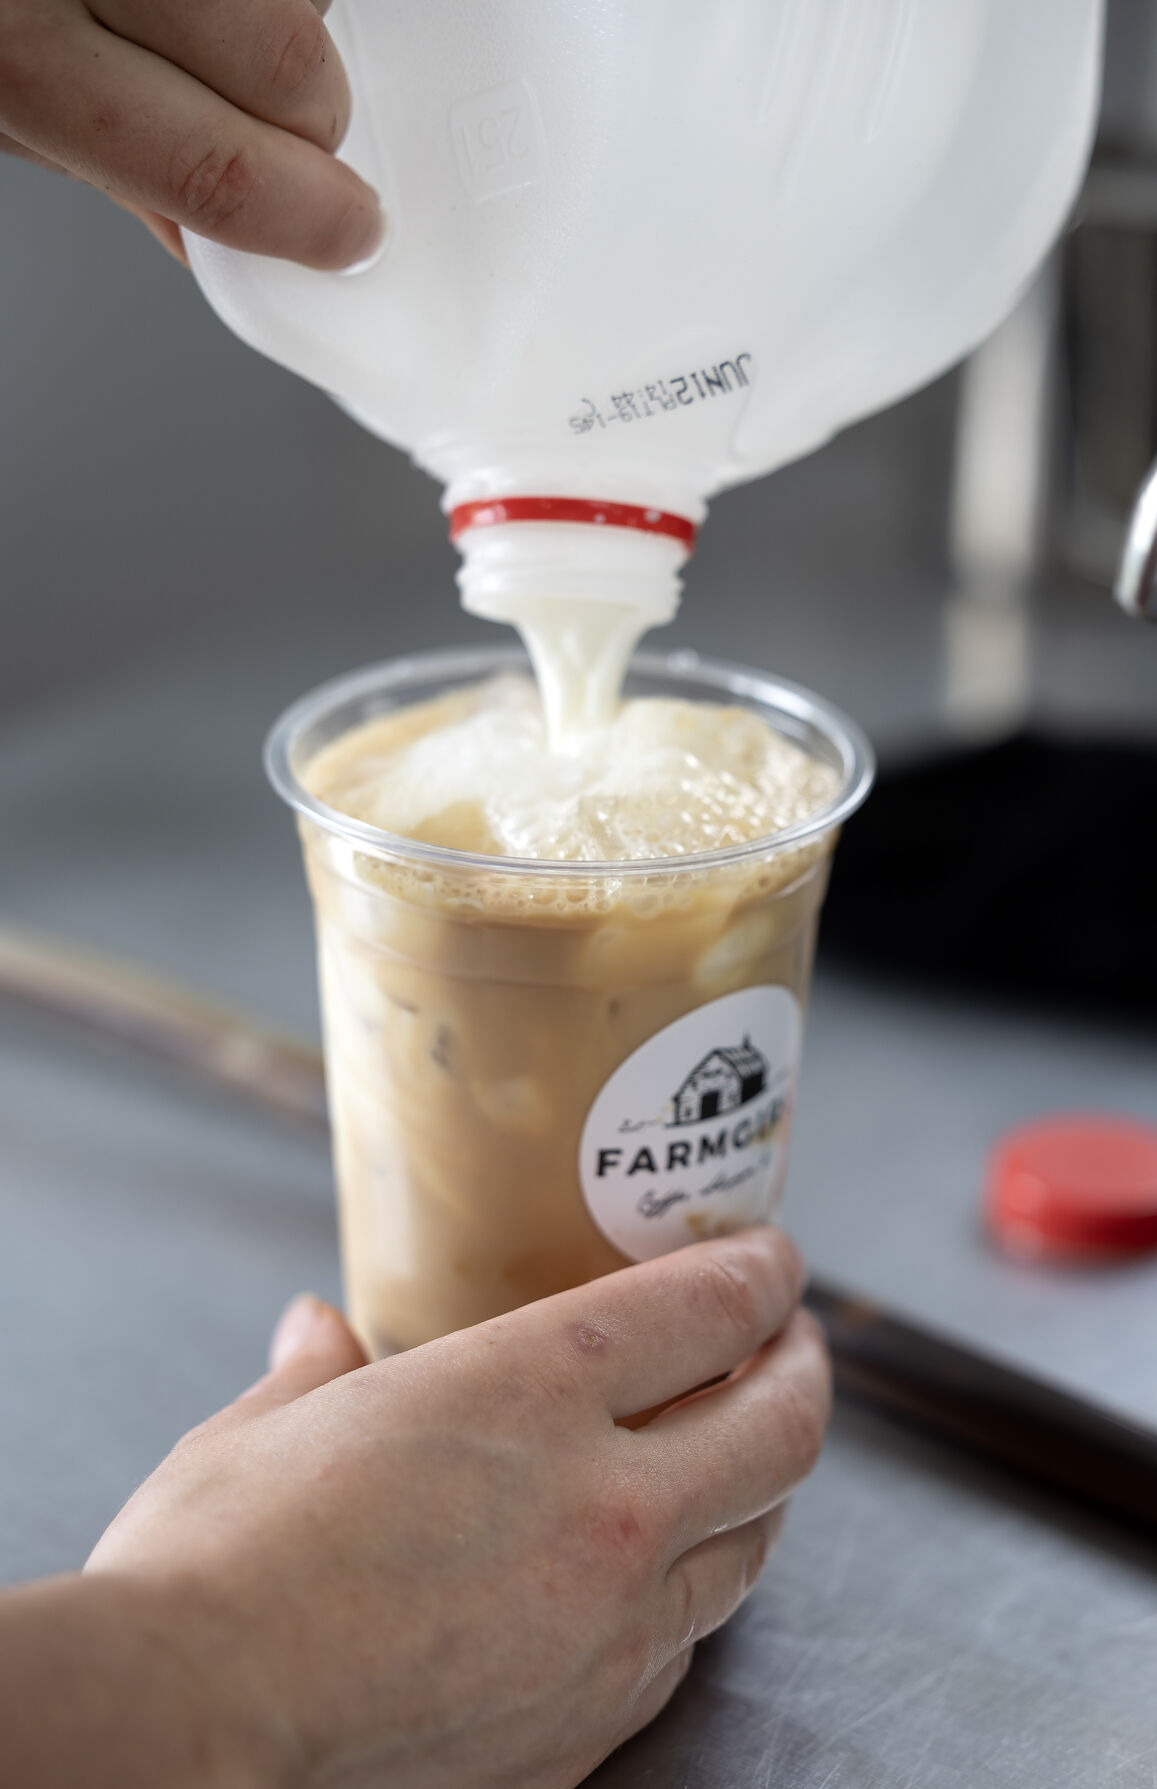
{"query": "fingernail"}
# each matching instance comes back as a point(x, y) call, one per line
point(374, 244)
point(301, 1316)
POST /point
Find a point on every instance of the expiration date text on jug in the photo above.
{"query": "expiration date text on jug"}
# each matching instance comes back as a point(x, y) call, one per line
point(688, 1137)
point(696, 387)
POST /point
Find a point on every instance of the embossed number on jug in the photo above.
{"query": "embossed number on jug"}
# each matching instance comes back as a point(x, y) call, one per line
point(499, 142)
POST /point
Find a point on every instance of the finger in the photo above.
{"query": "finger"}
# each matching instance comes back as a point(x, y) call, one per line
point(311, 1345)
point(131, 123)
point(650, 1333)
point(707, 1584)
point(273, 58)
point(734, 1453)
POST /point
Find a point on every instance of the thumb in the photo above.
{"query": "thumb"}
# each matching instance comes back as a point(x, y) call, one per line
point(310, 1329)
point(311, 1345)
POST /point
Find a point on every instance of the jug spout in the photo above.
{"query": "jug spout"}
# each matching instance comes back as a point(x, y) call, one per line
point(574, 549)
point(582, 580)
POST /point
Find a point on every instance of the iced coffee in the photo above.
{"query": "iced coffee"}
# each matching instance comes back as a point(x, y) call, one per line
point(562, 992)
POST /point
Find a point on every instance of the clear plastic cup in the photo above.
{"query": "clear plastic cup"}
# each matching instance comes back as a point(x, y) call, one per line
point(539, 1071)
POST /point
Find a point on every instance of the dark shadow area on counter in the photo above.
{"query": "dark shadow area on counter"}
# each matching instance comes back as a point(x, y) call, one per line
point(1025, 870)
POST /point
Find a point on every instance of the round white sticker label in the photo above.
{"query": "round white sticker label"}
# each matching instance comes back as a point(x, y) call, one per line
point(688, 1138)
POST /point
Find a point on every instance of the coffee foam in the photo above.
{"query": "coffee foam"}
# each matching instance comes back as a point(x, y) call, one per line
point(664, 779)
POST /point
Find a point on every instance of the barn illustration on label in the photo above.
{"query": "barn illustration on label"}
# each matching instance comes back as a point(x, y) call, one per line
point(726, 1079)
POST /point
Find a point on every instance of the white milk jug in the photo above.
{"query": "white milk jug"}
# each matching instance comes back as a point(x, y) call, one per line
point(640, 250)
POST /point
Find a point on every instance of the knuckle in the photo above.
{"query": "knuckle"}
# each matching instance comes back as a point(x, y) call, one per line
point(627, 1531)
point(567, 1371)
point(589, 1339)
point(299, 60)
point(211, 184)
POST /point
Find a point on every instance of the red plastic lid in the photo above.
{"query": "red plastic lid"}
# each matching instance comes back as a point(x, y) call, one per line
point(1079, 1185)
point(490, 511)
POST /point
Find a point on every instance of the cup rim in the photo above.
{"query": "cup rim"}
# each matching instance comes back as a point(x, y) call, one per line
point(788, 701)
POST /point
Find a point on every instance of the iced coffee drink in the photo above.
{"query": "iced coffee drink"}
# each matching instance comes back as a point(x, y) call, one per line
point(562, 992)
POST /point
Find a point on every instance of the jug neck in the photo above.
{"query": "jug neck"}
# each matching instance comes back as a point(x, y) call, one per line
point(533, 548)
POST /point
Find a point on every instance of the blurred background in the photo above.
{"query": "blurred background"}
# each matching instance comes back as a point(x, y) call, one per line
point(190, 537)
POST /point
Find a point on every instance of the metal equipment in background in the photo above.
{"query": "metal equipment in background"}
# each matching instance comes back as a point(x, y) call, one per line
point(1056, 451)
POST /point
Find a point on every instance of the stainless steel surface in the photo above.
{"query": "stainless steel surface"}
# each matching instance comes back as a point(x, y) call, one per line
point(926, 1624)
point(1137, 579)
point(922, 1627)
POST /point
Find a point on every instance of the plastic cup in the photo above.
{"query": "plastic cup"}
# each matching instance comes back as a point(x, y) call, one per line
point(539, 1071)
